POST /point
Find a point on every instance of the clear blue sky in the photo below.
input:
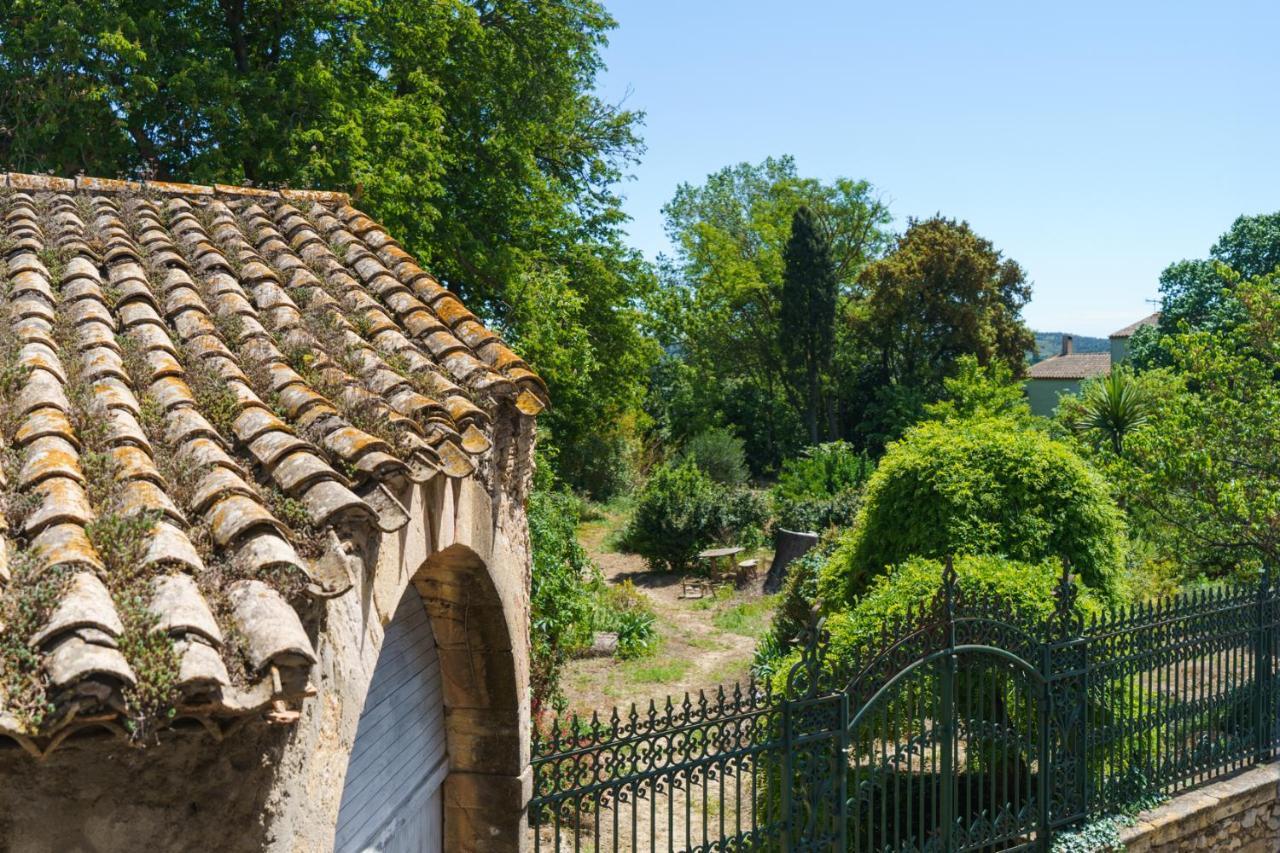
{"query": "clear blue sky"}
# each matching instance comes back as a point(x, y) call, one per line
point(1092, 142)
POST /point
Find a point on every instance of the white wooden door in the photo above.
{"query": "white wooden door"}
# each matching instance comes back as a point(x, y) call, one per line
point(391, 798)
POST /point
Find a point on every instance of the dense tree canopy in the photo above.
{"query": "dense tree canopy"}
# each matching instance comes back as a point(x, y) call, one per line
point(942, 293)
point(807, 315)
point(1203, 471)
point(718, 310)
point(1195, 294)
point(469, 128)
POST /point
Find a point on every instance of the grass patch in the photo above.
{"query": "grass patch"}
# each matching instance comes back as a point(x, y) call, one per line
point(748, 619)
point(656, 671)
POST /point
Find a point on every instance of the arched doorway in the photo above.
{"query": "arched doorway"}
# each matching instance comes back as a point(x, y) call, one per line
point(391, 799)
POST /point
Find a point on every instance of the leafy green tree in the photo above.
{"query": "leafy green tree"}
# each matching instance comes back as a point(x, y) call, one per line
point(469, 128)
point(978, 391)
point(1202, 477)
point(719, 454)
point(1195, 295)
point(1112, 407)
point(942, 292)
point(979, 486)
point(821, 487)
point(560, 598)
point(807, 312)
point(718, 309)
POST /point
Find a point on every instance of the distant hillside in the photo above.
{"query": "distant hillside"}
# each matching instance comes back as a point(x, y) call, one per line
point(1050, 343)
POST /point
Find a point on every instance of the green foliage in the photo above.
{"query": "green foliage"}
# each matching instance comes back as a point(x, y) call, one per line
point(472, 130)
point(1112, 407)
point(943, 292)
point(569, 600)
point(719, 454)
point(979, 486)
point(681, 511)
point(912, 585)
point(807, 313)
point(560, 603)
point(977, 391)
point(1202, 477)
point(121, 542)
point(820, 488)
point(595, 361)
point(1103, 834)
point(26, 603)
point(1196, 295)
point(718, 308)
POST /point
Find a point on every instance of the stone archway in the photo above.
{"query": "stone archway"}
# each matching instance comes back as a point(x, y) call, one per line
point(486, 713)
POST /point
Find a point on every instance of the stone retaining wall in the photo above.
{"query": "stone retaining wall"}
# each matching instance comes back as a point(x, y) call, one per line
point(1238, 814)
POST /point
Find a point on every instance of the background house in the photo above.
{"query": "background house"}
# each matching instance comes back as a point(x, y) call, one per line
point(1120, 339)
point(1064, 373)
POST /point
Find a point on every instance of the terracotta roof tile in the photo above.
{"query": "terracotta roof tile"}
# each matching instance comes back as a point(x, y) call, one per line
point(1127, 331)
point(205, 355)
point(1075, 366)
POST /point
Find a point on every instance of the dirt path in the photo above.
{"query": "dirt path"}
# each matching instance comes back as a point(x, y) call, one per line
point(703, 643)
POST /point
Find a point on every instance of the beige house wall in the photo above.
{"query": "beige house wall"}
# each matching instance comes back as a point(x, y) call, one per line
point(1043, 394)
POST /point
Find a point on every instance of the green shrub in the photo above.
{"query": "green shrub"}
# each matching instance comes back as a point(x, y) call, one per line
point(857, 634)
point(681, 511)
point(624, 610)
point(719, 454)
point(979, 486)
point(911, 587)
point(560, 600)
point(821, 488)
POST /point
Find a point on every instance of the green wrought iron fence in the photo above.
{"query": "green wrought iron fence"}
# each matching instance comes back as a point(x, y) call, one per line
point(968, 726)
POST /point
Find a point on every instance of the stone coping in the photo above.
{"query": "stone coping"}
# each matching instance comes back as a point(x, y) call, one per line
point(21, 181)
point(1190, 813)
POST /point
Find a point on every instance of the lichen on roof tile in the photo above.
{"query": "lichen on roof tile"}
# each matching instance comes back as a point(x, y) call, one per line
point(227, 375)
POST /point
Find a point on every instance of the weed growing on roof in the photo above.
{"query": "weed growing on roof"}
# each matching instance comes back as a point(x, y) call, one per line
point(309, 539)
point(214, 398)
point(30, 595)
point(26, 604)
point(121, 541)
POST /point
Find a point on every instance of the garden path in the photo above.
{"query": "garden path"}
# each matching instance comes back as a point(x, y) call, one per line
point(703, 643)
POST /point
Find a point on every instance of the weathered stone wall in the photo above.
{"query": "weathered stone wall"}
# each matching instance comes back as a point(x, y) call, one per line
point(1241, 814)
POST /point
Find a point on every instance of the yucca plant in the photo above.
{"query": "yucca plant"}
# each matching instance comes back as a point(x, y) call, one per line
point(1112, 407)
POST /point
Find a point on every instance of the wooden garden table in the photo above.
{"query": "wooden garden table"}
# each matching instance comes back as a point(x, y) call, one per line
point(722, 562)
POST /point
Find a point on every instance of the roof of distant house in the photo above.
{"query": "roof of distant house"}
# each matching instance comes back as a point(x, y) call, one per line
point(1074, 366)
point(245, 371)
point(1127, 331)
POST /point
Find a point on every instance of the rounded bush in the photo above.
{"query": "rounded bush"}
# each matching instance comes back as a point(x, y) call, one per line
point(911, 587)
point(979, 486)
point(821, 488)
point(681, 510)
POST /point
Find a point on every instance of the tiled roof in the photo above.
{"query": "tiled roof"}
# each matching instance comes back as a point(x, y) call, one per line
point(1127, 331)
point(235, 373)
point(1075, 366)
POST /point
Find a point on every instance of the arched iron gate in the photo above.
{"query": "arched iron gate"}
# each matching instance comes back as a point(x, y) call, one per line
point(957, 732)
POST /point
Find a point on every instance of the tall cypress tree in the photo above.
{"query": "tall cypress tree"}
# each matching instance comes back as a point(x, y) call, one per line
point(808, 312)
